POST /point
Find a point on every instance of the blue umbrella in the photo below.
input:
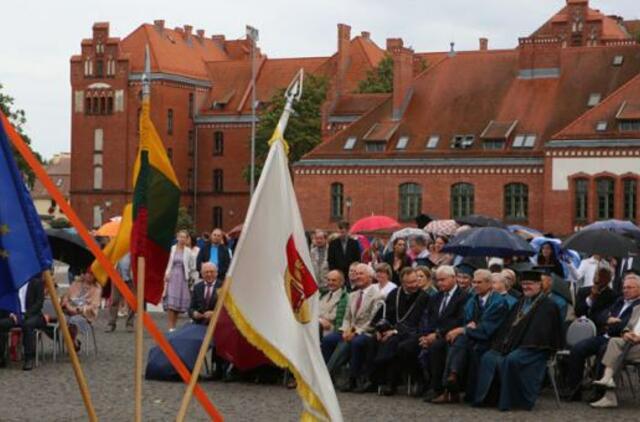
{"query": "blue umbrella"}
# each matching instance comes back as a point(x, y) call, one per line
point(489, 241)
point(526, 232)
point(186, 341)
point(617, 226)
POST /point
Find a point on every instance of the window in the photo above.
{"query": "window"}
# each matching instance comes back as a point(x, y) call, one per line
point(617, 60)
point(462, 141)
point(524, 141)
point(375, 146)
point(98, 137)
point(218, 143)
point(97, 216)
point(582, 199)
point(516, 201)
point(337, 201)
point(630, 192)
point(350, 142)
point(95, 106)
point(630, 126)
point(109, 105)
point(190, 179)
point(410, 201)
point(103, 105)
point(402, 142)
point(138, 119)
point(594, 100)
point(217, 217)
point(97, 159)
point(170, 154)
point(191, 143)
point(97, 177)
point(461, 200)
point(601, 126)
point(191, 105)
point(87, 108)
point(493, 144)
point(170, 121)
point(605, 196)
point(99, 68)
point(432, 142)
point(218, 181)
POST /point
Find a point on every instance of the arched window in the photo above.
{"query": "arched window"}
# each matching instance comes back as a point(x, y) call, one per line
point(461, 200)
point(410, 201)
point(97, 177)
point(218, 143)
point(605, 197)
point(337, 201)
point(516, 201)
point(630, 192)
point(582, 200)
point(218, 181)
point(170, 121)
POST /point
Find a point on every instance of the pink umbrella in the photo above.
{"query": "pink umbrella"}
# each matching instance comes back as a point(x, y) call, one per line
point(442, 227)
point(374, 223)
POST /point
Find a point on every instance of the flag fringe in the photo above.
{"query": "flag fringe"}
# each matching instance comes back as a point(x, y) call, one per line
point(314, 409)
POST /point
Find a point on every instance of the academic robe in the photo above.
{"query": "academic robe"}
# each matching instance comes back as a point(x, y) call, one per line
point(516, 363)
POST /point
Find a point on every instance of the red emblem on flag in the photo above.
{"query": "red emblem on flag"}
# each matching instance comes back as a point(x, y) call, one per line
point(299, 283)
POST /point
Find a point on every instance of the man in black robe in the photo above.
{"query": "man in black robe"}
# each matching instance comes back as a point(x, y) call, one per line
point(512, 373)
point(397, 329)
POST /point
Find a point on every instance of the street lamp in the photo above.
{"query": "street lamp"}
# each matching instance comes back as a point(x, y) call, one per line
point(348, 204)
point(252, 34)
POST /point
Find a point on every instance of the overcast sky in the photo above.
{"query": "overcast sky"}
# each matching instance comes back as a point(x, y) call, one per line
point(39, 37)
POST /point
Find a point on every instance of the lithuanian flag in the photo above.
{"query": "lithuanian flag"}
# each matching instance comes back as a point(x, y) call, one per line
point(155, 205)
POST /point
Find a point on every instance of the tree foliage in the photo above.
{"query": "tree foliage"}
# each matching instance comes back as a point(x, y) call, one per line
point(304, 130)
point(185, 221)
point(378, 79)
point(17, 117)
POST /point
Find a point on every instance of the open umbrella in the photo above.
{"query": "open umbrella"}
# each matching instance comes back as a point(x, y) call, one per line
point(186, 341)
point(374, 223)
point(526, 233)
point(617, 226)
point(488, 241)
point(109, 229)
point(68, 247)
point(408, 233)
point(442, 227)
point(600, 242)
point(477, 220)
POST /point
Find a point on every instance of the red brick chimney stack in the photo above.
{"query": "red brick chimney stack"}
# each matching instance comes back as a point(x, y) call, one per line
point(365, 34)
point(159, 24)
point(402, 74)
point(484, 44)
point(187, 31)
point(343, 59)
point(200, 34)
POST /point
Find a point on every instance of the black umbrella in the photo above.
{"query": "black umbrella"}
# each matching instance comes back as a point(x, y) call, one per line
point(489, 241)
point(68, 247)
point(600, 242)
point(477, 220)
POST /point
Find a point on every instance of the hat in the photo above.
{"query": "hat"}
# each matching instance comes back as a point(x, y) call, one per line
point(495, 261)
point(465, 268)
point(544, 269)
point(531, 275)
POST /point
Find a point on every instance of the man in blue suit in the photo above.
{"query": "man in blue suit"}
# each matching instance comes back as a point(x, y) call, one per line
point(616, 320)
point(483, 313)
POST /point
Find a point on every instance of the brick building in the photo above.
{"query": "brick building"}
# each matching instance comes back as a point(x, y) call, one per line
point(546, 134)
point(59, 170)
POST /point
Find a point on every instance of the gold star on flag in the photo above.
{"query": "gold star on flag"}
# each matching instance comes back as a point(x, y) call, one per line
point(4, 253)
point(4, 229)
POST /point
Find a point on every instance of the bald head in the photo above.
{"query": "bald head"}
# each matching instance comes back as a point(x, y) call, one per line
point(209, 272)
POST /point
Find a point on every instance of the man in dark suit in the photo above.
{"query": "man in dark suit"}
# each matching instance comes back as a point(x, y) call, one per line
point(343, 251)
point(30, 318)
point(204, 296)
point(216, 253)
point(617, 318)
point(444, 313)
point(593, 302)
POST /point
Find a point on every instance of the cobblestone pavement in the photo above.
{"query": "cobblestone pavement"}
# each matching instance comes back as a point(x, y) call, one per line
point(49, 393)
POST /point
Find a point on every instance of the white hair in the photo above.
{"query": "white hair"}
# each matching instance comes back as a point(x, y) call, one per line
point(634, 277)
point(368, 270)
point(210, 265)
point(446, 270)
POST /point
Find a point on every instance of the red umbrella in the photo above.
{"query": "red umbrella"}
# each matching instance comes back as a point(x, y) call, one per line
point(234, 233)
point(374, 223)
point(233, 347)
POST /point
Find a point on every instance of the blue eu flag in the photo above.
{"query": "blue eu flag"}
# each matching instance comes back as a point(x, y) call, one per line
point(24, 248)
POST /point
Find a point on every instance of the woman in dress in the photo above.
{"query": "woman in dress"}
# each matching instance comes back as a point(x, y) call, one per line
point(180, 268)
point(81, 305)
point(398, 259)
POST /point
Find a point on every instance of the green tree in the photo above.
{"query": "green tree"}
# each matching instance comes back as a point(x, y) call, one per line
point(304, 130)
point(378, 79)
point(185, 221)
point(18, 119)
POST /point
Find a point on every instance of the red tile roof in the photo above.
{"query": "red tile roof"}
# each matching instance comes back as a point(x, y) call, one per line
point(611, 30)
point(59, 169)
point(357, 104)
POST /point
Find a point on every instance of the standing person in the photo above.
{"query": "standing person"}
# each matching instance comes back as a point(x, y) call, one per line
point(547, 258)
point(437, 257)
point(398, 259)
point(192, 243)
point(586, 273)
point(30, 318)
point(418, 246)
point(373, 254)
point(343, 251)
point(124, 269)
point(319, 252)
point(215, 252)
point(176, 296)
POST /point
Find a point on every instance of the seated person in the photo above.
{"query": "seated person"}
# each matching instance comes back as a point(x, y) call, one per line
point(384, 274)
point(619, 350)
point(204, 296)
point(616, 319)
point(81, 305)
point(547, 288)
point(593, 302)
point(444, 312)
point(464, 275)
point(425, 280)
point(499, 284)
point(29, 318)
point(333, 303)
point(511, 373)
point(397, 329)
point(355, 335)
point(483, 313)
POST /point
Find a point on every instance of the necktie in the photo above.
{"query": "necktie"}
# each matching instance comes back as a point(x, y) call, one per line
point(207, 295)
point(359, 301)
point(443, 305)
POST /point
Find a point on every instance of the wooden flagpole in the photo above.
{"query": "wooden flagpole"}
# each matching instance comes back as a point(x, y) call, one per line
point(186, 399)
point(139, 338)
point(75, 363)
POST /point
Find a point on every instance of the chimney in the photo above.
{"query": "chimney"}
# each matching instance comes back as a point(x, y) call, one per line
point(539, 57)
point(344, 56)
point(484, 44)
point(159, 24)
point(402, 75)
point(218, 39)
point(200, 35)
point(365, 34)
point(452, 49)
point(187, 31)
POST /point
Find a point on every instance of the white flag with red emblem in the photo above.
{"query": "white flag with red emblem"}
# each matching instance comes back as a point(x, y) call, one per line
point(273, 297)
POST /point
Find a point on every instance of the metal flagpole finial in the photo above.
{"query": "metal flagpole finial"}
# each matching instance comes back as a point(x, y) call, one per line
point(292, 94)
point(146, 76)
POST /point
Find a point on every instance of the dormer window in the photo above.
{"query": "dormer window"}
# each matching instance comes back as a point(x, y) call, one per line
point(462, 141)
point(601, 126)
point(374, 146)
point(402, 142)
point(618, 60)
point(432, 142)
point(630, 126)
point(524, 141)
point(350, 142)
point(594, 100)
point(493, 144)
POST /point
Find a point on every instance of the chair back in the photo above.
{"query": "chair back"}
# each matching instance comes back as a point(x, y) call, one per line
point(580, 329)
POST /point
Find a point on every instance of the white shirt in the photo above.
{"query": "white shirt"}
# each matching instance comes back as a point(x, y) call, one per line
point(22, 293)
point(447, 298)
point(636, 328)
point(388, 288)
point(586, 272)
